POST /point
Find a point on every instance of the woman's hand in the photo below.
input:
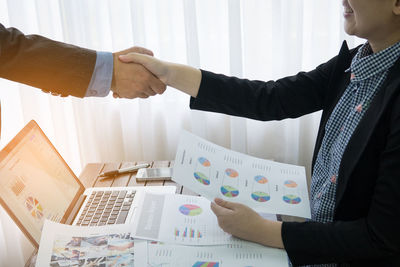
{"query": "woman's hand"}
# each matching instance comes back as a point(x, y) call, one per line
point(243, 222)
point(158, 67)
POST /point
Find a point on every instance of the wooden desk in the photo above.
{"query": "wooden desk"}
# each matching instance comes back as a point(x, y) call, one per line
point(90, 178)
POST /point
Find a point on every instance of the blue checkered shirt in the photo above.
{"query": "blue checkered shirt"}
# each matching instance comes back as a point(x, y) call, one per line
point(368, 73)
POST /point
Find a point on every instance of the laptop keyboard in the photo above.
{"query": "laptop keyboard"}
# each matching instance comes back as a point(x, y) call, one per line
point(106, 207)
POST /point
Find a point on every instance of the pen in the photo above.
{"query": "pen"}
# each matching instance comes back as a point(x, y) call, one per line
point(124, 170)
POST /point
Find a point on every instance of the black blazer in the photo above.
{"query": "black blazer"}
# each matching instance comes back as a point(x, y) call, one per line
point(366, 227)
point(40, 62)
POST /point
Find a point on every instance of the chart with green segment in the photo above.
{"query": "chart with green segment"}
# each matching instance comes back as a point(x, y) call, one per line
point(178, 219)
point(190, 210)
point(266, 186)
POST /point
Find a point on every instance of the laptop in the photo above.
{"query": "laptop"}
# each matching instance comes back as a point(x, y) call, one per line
point(37, 184)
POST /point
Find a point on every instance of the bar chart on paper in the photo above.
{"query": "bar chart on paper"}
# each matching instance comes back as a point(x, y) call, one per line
point(266, 186)
point(178, 219)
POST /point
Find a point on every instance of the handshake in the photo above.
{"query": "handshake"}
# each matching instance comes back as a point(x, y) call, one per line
point(138, 74)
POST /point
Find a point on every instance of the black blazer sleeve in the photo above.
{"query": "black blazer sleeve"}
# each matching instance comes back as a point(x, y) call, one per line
point(289, 97)
point(40, 62)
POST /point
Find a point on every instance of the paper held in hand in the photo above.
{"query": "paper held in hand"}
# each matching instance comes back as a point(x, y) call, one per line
point(266, 186)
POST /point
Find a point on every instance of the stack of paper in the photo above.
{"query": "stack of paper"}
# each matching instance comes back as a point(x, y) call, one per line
point(181, 230)
point(264, 185)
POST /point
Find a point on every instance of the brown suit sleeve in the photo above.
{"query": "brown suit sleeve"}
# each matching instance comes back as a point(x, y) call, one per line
point(53, 66)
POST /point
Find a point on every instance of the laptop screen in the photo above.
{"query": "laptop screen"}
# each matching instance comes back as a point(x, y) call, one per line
point(35, 182)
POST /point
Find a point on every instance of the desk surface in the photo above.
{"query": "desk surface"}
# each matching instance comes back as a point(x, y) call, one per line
point(90, 176)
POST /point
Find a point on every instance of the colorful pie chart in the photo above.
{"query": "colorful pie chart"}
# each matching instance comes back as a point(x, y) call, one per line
point(231, 173)
point(229, 191)
point(205, 162)
point(190, 210)
point(291, 199)
point(201, 178)
point(34, 207)
point(290, 183)
point(261, 179)
point(206, 264)
point(260, 196)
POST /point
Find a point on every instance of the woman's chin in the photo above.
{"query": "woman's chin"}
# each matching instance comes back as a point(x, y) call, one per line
point(349, 29)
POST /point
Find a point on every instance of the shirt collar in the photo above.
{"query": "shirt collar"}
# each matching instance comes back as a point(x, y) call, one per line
point(366, 64)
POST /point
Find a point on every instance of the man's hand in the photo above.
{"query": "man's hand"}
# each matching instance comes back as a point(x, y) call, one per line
point(133, 80)
point(243, 222)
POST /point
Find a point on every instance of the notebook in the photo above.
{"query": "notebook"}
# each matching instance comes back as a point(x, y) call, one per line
point(37, 184)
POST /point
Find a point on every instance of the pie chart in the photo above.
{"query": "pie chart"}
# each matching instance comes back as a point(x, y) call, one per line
point(201, 178)
point(260, 196)
point(290, 183)
point(205, 162)
point(190, 210)
point(231, 173)
point(206, 264)
point(34, 207)
point(229, 191)
point(261, 179)
point(291, 199)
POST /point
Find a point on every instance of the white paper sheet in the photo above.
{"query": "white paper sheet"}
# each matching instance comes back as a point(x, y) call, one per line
point(239, 254)
point(266, 186)
point(178, 219)
point(66, 245)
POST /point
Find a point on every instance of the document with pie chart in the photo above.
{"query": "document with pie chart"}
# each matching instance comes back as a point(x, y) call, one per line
point(241, 253)
point(266, 186)
point(178, 219)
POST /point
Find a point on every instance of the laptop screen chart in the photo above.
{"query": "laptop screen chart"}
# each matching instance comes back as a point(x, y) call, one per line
point(34, 207)
point(35, 182)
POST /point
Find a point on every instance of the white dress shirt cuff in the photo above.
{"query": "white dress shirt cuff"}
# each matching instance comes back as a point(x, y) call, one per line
point(100, 83)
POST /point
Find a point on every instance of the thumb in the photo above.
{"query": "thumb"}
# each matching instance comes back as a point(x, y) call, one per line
point(219, 210)
point(134, 58)
point(136, 49)
point(225, 204)
point(142, 50)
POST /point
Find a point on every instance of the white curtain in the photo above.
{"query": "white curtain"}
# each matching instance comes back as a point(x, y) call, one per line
point(256, 39)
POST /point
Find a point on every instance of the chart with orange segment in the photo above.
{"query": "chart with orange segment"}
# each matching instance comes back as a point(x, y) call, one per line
point(217, 172)
point(178, 219)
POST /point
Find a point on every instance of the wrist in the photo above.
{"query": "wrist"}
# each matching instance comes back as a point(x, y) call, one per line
point(260, 224)
point(169, 73)
point(271, 234)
